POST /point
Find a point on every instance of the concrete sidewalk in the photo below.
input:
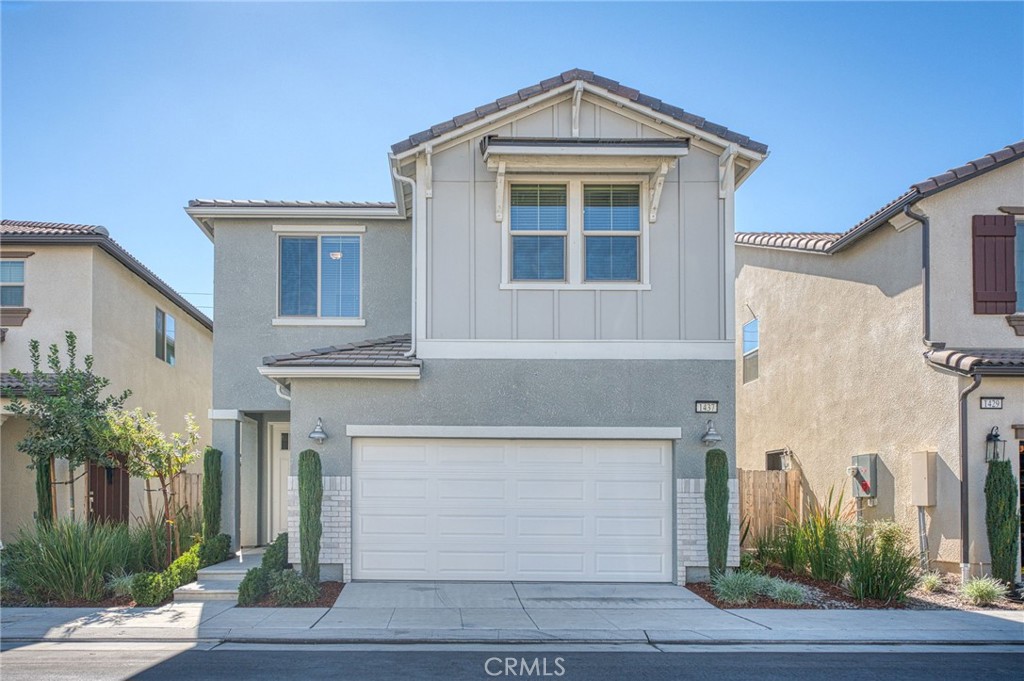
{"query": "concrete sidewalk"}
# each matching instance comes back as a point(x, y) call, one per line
point(428, 612)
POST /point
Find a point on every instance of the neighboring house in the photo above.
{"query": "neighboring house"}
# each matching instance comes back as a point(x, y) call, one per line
point(145, 337)
point(903, 335)
point(563, 259)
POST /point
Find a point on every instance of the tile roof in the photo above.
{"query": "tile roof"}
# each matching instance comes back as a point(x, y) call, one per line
point(379, 352)
point(258, 203)
point(614, 87)
point(10, 384)
point(979, 360)
point(31, 227)
point(22, 231)
point(839, 240)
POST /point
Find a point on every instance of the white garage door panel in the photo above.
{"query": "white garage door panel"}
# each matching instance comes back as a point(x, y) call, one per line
point(507, 509)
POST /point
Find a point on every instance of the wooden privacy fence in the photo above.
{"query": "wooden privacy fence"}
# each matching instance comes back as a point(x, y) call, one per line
point(767, 499)
point(187, 489)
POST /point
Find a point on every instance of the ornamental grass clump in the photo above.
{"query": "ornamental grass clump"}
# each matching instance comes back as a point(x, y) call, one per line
point(983, 590)
point(930, 582)
point(881, 562)
point(741, 587)
point(822, 537)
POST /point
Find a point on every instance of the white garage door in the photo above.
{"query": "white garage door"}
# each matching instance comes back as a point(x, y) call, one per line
point(512, 509)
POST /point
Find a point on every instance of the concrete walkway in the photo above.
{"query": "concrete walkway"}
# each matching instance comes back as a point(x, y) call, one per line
point(510, 613)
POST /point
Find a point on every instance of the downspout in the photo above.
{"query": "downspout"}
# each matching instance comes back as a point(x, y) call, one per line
point(412, 213)
point(926, 276)
point(965, 539)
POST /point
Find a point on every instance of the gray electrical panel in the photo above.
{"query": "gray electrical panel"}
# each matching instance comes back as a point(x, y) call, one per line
point(864, 471)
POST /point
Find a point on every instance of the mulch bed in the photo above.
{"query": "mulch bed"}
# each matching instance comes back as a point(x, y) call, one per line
point(704, 590)
point(329, 592)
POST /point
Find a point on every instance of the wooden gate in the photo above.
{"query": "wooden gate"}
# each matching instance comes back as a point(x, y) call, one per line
point(768, 499)
point(109, 493)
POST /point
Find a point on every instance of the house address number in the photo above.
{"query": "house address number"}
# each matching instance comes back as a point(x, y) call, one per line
point(991, 402)
point(707, 407)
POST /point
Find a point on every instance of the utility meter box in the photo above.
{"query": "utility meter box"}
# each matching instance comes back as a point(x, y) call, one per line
point(922, 478)
point(864, 472)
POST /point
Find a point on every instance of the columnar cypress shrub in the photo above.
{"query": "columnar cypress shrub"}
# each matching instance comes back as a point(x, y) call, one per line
point(1002, 518)
point(311, 494)
point(212, 493)
point(44, 492)
point(716, 502)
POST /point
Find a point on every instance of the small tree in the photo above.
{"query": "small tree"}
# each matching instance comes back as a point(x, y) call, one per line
point(149, 454)
point(311, 494)
point(716, 502)
point(1002, 519)
point(66, 413)
point(212, 493)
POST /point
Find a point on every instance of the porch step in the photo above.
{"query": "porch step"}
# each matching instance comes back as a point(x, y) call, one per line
point(208, 590)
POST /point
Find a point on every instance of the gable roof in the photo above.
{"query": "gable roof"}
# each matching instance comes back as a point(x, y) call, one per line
point(612, 86)
point(63, 233)
point(832, 242)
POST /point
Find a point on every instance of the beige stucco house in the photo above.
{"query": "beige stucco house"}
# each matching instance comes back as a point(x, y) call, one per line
point(902, 335)
point(143, 335)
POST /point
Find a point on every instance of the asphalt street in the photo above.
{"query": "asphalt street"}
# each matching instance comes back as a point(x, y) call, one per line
point(57, 661)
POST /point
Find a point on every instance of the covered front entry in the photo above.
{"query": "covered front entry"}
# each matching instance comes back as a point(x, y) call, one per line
point(528, 510)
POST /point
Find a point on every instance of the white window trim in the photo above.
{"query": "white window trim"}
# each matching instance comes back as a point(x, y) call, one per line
point(297, 320)
point(742, 331)
point(311, 230)
point(518, 432)
point(574, 238)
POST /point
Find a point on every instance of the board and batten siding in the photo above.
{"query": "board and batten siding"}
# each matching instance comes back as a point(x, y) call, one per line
point(686, 300)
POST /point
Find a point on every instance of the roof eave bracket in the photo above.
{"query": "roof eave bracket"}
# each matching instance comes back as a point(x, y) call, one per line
point(725, 165)
point(657, 184)
point(499, 193)
point(577, 98)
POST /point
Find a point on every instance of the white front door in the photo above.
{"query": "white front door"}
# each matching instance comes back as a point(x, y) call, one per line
point(583, 510)
point(280, 467)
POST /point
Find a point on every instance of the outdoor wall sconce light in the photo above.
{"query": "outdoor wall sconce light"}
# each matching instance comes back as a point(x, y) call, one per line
point(710, 436)
point(318, 435)
point(995, 446)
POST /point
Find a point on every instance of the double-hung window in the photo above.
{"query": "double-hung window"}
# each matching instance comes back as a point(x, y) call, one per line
point(321, 277)
point(611, 232)
point(578, 233)
point(12, 283)
point(537, 221)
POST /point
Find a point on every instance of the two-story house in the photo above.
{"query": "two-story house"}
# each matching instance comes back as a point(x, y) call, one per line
point(57, 277)
point(900, 341)
point(511, 371)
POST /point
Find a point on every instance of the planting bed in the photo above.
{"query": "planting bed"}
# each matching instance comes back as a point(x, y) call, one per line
point(329, 592)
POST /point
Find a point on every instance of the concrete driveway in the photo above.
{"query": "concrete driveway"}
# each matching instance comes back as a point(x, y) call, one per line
point(520, 606)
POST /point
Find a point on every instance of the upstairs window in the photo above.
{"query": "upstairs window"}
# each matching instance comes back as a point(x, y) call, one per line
point(539, 228)
point(611, 232)
point(12, 283)
point(165, 349)
point(751, 345)
point(321, 276)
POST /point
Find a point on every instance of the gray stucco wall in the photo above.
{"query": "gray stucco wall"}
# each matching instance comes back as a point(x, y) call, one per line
point(523, 393)
point(245, 290)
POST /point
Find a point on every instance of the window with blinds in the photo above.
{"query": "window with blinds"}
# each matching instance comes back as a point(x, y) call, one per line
point(12, 283)
point(537, 220)
point(320, 276)
point(611, 231)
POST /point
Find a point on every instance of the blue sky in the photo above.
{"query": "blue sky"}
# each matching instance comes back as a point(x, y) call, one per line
point(119, 113)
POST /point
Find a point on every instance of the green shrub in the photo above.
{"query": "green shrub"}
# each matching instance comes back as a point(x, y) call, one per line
point(153, 588)
point(150, 588)
point(275, 558)
point(738, 587)
point(66, 560)
point(881, 562)
point(822, 540)
point(8, 589)
point(44, 491)
point(288, 588)
point(1002, 520)
point(213, 550)
point(749, 562)
point(311, 493)
point(212, 493)
point(254, 586)
point(120, 584)
point(716, 503)
point(983, 590)
point(930, 582)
